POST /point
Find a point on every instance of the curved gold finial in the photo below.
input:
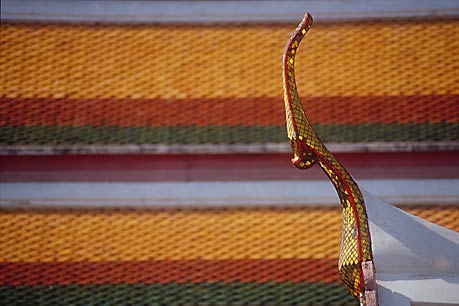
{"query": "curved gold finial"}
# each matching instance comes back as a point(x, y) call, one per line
point(356, 258)
point(296, 120)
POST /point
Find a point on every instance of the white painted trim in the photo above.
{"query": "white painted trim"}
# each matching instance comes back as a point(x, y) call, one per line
point(221, 10)
point(415, 260)
point(409, 290)
point(219, 194)
point(224, 148)
point(404, 244)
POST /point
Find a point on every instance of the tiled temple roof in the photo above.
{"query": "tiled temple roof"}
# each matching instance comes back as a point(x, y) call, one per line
point(374, 81)
point(178, 257)
point(86, 84)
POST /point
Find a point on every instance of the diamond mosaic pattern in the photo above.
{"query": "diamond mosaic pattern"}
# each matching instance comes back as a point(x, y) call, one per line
point(368, 81)
point(355, 245)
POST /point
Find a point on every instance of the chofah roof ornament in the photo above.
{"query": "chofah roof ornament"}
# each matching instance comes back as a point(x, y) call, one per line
point(356, 259)
point(376, 236)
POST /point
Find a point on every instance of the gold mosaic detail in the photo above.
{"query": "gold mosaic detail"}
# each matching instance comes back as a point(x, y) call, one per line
point(309, 150)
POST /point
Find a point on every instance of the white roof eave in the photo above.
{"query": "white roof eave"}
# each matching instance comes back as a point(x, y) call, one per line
point(416, 261)
point(112, 11)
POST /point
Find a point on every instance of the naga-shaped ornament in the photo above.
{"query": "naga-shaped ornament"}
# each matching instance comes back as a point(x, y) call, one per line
point(356, 259)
